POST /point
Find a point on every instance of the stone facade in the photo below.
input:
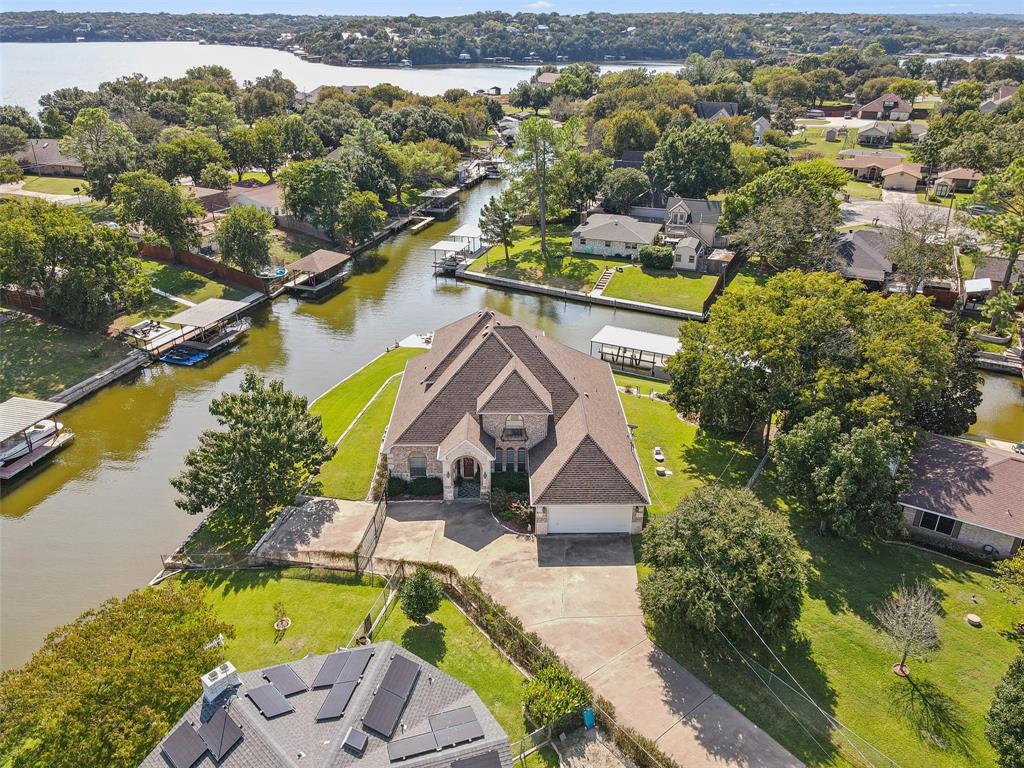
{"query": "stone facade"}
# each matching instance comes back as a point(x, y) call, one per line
point(398, 460)
point(964, 535)
point(535, 424)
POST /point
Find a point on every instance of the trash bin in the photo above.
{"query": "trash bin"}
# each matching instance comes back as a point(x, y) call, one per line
point(588, 717)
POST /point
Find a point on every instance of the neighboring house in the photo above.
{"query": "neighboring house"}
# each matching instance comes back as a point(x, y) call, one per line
point(691, 255)
point(43, 157)
point(493, 395)
point(967, 494)
point(374, 705)
point(631, 158)
point(508, 128)
point(888, 106)
point(494, 90)
point(864, 255)
point(211, 199)
point(715, 110)
point(868, 167)
point(760, 125)
point(687, 217)
point(1000, 96)
point(905, 177)
point(994, 268)
point(311, 97)
point(882, 134)
point(955, 180)
point(609, 234)
point(265, 196)
point(546, 79)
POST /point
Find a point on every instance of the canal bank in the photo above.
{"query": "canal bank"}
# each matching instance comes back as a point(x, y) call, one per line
point(96, 521)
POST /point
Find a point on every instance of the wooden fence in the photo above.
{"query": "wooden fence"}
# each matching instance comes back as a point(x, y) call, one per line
point(203, 265)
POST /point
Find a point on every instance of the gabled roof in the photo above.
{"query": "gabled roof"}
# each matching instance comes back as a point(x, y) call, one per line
point(611, 226)
point(701, 211)
point(864, 255)
point(961, 174)
point(708, 110)
point(878, 105)
point(911, 169)
point(514, 390)
point(45, 152)
point(863, 162)
point(467, 431)
point(969, 481)
point(319, 261)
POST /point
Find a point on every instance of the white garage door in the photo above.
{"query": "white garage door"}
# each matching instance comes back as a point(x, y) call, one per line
point(590, 519)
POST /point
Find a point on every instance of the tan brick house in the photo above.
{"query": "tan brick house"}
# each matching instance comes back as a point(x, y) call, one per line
point(493, 395)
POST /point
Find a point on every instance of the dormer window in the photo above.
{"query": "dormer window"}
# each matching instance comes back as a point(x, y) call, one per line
point(515, 428)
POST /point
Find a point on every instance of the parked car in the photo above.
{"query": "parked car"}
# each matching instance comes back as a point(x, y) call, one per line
point(978, 210)
point(1019, 448)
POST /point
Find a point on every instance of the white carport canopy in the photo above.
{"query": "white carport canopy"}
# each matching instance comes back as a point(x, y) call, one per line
point(208, 313)
point(641, 341)
point(978, 285)
point(19, 413)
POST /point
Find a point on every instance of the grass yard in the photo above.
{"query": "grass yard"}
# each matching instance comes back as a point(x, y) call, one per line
point(863, 190)
point(339, 405)
point(55, 185)
point(641, 383)
point(667, 288)
point(40, 359)
point(349, 474)
point(260, 176)
point(286, 247)
point(747, 277)
point(813, 140)
point(961, 200)
point(325, 609)
point(95, 210)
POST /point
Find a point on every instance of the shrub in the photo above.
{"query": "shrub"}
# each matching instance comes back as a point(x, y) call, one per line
point(516, 482)
point(512, 507)
point(420, 595)
point(397, 486)
point(425, 486)
point(553, 694)
point(656, 257)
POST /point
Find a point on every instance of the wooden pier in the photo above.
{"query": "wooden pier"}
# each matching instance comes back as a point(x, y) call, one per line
point(46, 448)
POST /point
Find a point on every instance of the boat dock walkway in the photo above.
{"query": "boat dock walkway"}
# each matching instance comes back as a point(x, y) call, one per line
point(52, 445)
point(135, 360)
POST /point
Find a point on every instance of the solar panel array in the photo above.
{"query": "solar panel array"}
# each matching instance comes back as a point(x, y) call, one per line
point(392, 695)
point(447, 729)
point(220, 733)
point(485, 760)
point(270, 701)
point(185, 746)
point(336, 702)
point(285, 680)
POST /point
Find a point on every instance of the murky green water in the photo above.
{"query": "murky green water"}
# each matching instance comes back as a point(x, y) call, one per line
point(1001, 414)
point(95, 521)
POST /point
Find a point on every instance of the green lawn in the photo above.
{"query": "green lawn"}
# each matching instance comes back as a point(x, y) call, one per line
point(961, 199)
point(349, 473)
point(340, 405)
point(95, 210)
point(54, 185)
point(179, 281)
point(667, 288)
point(325, 609)
point(747, 276)
point(863, 190)
point(259, 176)
point(641, 383)
point(286, 247)
point(40, 359)
point(813, 140)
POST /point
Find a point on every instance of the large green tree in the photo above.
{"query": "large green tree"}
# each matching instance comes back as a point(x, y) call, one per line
point(12, 138)
point(694, 162)
point(815, 180)
point(628, 130)
point(722, 555)
point(535, 165)
point(268, 145)
point(790, 233)
point(213, 112)
point(498, 217)
point(360, 216)
point(187, 153)
point(1004, 722)
point(583, 173)
point(314, 190)
point(142, 198)
point(1003, 193)
point(955, 409)
point(267, 446)
point(244, 236)
point(103, 690)
point(106, 148)
point(622, 188)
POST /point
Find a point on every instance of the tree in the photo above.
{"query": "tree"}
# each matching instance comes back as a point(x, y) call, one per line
point(109, 685)
point(213, 112)
point(10, 170)
point(1011, 575)
point(12, 139)
point(785, 117)
point(142, 198)
point(54, 124)
point(752, 162)
point(106, 149)
point(816, 180)
point(719, 556)
point(215, 176)
point(240, 145)
point(630, 130)
point(1004, 722)
point(908, 618)
point(846, 478)
point(622, 187)
point(366, 155)
point(258, 103)
point(1003, 192)
point(910, 90)
point(498, 218)
point(420, 595)
point(528, 96)
point(583, 174)
point(539, 149)
point(915, 245)
point(18, 117)
point(186, 153)
point(361, 216)
point(553, 693)
point(268, 445)
point(300, 142)
point(1000, 310)
point(954, 410)
point(267, 146)
point(694, 162)
point(243, 234)
point(790, 233)
point(314, 190)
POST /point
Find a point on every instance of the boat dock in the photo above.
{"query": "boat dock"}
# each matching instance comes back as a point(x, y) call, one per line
point(18, 415)
point(315, 274)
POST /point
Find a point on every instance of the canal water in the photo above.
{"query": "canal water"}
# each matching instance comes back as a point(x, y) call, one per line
point(1001, 413)
point(94, 522)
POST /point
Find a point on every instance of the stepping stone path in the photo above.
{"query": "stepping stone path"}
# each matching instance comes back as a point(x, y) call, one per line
point(602, 282)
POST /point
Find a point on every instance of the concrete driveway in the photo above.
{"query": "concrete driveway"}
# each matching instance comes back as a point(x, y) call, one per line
point(579, 594)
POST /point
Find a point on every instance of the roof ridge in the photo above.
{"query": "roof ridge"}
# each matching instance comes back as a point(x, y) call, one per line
point(588, 437)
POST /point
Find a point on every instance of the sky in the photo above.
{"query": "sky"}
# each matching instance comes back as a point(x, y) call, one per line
point(455, 7)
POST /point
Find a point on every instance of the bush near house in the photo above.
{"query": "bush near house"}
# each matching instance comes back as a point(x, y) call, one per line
point(553, 694)
point(517, 482)
point(420, 595)
point(656, 257)
point(511, 507)
point(425, 486)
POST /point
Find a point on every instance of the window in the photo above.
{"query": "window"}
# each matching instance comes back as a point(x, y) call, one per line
point(938, 523)
point(522, 459)
point(510, 459)
point(607, 243)
point(497, 459)
point(417, 466)
point(515, 428)
point(692, 257)
point(583, 241)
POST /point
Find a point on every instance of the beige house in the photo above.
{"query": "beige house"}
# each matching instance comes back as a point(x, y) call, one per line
point(956, 180)
point(888, 106)
point(967, 494)
point(904, 177)
point(608, 234)
point(494, 396)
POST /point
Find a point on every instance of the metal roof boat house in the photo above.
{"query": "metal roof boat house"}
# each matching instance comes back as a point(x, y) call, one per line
point(440, 202)
point(374, 706)
point(449, 255)
point(19, 417)
point(317, 272)
point(634, 351)
point(203, 329)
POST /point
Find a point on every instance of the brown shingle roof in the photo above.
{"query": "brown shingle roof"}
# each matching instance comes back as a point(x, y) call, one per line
point(514, 390)
point(969, 481)
point(319, 261)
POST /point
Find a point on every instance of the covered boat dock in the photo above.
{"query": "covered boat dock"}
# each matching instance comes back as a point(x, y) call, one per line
point(449, 254)
point(317, 272)
point(468, 233)
point(440, 202)
point(17, 417)
point(634, 351)
point(210, 324)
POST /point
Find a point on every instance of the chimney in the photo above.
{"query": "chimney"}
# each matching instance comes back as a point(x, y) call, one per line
point(218, 680)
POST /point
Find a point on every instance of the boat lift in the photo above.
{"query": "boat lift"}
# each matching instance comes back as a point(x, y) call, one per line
point(449, 255)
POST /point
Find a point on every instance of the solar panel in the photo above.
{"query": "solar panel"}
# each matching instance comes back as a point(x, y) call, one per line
point(328, 674)
point(400, 676)
point(269, 701)
point(383, 713)
point(285, 680)
point(336, 701)
point(183, 747)
point(220, 733)
point(355, 740)
point(451, 717)
point(412, 746)
point(459, 734)
point(355, 665)
point(486, 760)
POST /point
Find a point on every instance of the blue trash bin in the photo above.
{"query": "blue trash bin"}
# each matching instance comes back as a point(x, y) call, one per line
point(588, 717)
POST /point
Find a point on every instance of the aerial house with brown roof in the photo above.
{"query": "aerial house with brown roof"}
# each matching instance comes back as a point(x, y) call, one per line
point(494, 395)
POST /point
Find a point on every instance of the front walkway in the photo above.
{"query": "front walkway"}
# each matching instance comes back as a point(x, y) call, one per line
point(579, 594)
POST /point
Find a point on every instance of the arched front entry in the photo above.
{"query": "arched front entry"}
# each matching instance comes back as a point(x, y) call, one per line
point(466, 471)
point(467, 478)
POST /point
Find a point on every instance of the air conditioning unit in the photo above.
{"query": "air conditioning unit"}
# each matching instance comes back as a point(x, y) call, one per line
point(218, 680)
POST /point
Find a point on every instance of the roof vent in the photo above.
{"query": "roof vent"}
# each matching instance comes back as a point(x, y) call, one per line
point(218, 680)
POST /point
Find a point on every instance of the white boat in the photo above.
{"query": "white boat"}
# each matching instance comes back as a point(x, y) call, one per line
point(23, 443)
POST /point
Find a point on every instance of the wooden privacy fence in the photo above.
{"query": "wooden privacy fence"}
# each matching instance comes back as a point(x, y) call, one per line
point(202, 264)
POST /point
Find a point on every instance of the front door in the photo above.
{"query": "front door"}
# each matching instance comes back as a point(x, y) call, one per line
point(467, 467)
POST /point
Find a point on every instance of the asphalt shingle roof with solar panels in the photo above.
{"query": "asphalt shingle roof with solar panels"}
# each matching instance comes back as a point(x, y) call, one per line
point(377, 706)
